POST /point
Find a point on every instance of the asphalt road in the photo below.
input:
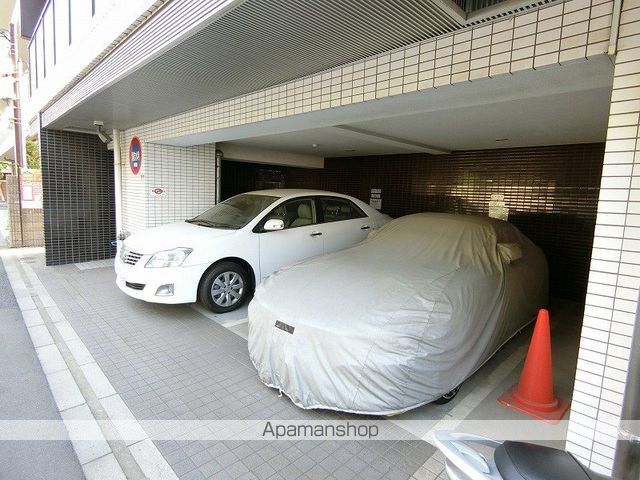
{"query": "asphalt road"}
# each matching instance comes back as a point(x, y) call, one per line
point(25, 395)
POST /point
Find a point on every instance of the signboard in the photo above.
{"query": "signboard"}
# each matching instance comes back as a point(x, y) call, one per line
point(135, 155)
point(375, 200)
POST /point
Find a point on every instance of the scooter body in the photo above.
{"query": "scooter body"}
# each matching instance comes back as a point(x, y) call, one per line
point(507, 460)
point(463, 462)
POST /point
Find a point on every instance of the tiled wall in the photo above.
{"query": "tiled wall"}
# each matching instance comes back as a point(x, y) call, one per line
point(614, 279)
point(185, 174)
point(78, 197)
point(551, 193)
point(552, 35)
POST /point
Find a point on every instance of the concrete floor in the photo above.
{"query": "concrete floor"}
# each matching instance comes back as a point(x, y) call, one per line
point(185, 363)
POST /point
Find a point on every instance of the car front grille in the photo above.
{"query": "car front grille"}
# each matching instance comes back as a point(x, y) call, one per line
point(129, 257)
point(135, 286)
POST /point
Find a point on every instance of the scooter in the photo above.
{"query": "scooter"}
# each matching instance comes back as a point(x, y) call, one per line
point(507, 460)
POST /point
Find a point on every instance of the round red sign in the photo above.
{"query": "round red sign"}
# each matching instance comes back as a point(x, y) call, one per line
point(135, 155)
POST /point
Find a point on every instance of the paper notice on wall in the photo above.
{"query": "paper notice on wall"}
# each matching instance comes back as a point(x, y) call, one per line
point(498, 208)
point(375, 200)
point(501, 213)
point(375, 203)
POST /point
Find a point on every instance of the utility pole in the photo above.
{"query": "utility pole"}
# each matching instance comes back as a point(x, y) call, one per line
point(19, 160)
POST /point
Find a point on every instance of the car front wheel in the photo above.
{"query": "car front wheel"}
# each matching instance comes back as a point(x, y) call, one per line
point(224, 288)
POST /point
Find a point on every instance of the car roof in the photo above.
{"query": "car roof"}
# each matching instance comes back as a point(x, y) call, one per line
point(294, 192)
point(502, 230)
point(461, 220)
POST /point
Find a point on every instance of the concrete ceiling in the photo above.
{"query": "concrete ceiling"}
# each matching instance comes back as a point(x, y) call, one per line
point(567, 118)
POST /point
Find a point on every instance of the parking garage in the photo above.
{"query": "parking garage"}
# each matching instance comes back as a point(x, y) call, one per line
point(526, 112)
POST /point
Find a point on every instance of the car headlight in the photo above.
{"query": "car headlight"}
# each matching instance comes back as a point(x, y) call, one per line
point(168, 258)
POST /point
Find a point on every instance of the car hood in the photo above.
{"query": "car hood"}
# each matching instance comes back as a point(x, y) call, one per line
point(173, 235)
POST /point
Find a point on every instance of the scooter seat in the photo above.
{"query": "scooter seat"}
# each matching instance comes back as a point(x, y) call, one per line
point(527, 461)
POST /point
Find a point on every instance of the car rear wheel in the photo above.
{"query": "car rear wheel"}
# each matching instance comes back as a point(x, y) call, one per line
point(224, 288)
point(447, 397)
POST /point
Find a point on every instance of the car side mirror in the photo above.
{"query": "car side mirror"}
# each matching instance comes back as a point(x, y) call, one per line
point(509, 252)
point(273, 224)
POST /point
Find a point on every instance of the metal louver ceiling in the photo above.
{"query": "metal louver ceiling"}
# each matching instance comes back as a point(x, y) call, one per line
point(260, 43)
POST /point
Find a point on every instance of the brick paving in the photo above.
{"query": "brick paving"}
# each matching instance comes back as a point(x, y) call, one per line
point(172, 363)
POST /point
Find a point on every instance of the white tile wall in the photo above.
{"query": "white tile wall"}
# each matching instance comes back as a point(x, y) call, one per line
point(187, 174)
point(612, 292)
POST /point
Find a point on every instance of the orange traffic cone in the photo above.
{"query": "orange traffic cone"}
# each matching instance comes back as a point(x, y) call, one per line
point(533, 395)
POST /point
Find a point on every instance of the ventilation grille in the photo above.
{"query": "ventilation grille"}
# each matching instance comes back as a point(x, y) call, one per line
point(505, 13)
point(473, 5)
point(129, 257)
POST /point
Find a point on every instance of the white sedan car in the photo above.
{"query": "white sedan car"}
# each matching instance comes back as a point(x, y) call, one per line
point(219, 256)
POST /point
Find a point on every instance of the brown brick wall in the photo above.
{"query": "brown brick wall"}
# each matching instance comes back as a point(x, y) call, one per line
point(551, 193)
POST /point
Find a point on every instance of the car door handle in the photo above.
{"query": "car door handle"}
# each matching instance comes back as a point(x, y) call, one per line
point(365, 227)
point(316, 234)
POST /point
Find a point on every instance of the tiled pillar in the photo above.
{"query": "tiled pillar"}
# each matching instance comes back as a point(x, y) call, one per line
point(614, 278)
point(172, 184)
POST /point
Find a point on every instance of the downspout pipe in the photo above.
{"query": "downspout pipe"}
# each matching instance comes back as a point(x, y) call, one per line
point(19, 160)
point(117, 180)
point(615, 28)
point(219, 156)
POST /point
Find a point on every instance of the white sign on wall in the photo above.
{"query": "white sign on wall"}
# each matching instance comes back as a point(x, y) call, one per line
point(498, 208)
point(375, 200)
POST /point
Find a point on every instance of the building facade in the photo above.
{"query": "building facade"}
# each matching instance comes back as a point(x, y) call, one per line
point(450, 103)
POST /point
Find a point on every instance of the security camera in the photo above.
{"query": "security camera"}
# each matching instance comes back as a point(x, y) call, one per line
point(104, 136)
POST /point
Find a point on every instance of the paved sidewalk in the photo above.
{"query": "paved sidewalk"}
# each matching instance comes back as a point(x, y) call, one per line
point(25, 395)
point(173, 363)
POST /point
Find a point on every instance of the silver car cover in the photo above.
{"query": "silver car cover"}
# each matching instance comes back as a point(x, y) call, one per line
point(398, 320)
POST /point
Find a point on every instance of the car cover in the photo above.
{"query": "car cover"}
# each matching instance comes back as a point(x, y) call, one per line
point(398, 320)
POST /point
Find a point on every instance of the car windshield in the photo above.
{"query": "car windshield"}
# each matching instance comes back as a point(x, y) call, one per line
point(234, 212)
